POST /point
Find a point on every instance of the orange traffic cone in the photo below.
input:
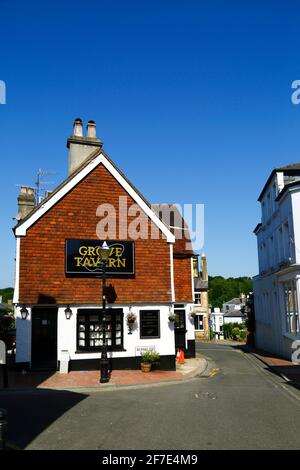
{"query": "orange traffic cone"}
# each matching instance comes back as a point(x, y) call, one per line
point(178, 355)
point(181, 357)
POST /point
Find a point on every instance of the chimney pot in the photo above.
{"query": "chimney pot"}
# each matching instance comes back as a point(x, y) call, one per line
point(91, 129)
point(26, 202)
point(77, 128)
point(80, 147)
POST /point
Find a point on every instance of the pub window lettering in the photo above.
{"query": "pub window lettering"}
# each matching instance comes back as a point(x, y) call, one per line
point(89, 329)
point(150, 324)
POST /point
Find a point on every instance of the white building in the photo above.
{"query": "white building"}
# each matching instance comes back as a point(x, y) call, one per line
point(277, 286)
point(217, 321)
point(232, 312)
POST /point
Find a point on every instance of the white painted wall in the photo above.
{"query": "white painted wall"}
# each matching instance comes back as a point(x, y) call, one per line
point(67, 331)
point(217, 321)
point(233, 320)
point(23, 336)
point(190, 326)
point(164, 345)
point(295, 241)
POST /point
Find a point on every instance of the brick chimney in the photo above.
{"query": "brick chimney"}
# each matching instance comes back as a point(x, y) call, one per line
point(204, 267)
point(26, 202)
point(80, 146)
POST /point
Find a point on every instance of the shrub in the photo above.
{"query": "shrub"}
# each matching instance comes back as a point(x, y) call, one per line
point(243, 334)
point(235, 334)
point(150, 357)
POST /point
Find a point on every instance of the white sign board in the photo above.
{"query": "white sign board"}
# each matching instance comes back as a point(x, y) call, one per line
point(2, 353)
point(139, 350)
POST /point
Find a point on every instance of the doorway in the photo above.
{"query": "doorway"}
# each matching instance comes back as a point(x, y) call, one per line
point(44, 338)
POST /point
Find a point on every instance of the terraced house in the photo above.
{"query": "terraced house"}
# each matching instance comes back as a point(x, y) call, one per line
point(277, 286)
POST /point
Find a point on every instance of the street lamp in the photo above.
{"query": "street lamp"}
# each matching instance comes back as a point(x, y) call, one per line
point(24, 312)
point(68, 312)
point(104, 255)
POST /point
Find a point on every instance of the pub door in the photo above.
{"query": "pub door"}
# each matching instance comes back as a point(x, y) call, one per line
point(44, 338)
point(180, 329)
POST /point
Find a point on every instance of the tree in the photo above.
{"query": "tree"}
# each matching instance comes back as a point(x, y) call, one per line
point(221, 289)
point(7, 294)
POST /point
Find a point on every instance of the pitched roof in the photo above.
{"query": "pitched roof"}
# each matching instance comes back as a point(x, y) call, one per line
point(292, 169)
point(54, 195)
point(235, 301)
point(171, 216)
point(234, 313)
point(200, 284)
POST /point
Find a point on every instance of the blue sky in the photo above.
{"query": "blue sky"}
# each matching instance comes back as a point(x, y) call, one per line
point(191, 99)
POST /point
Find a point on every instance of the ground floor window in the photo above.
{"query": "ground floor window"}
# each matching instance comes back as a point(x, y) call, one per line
point(179, 312)
point(291, 308)
point(199, 322)
point(90, 329)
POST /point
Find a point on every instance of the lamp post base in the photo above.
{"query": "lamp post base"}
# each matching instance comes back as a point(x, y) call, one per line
point(104, 377)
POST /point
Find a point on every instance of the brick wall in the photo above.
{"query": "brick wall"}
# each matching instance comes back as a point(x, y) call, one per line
point(42, 261)
point(183, 280)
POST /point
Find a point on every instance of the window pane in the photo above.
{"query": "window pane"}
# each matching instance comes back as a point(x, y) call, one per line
point(94, 318)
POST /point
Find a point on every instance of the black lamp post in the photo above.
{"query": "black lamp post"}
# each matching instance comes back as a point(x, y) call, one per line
point(104, 253)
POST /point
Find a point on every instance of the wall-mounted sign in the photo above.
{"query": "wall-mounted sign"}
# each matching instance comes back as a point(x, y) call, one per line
point(83, 257)
point(149, 324)
point(139, 350)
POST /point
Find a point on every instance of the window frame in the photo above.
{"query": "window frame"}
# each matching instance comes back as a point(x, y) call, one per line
point(87, 312)
point(197, 320)
point(141, 312)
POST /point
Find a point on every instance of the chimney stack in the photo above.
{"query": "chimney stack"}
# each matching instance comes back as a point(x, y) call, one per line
point(80, 146)
point(26, 202)
point(204, 267)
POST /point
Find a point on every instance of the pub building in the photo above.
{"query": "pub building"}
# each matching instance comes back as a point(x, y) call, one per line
point(58, 285)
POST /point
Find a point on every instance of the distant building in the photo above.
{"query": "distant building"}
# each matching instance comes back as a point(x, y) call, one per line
point(201, 307)
point(232, 312)
point(277, 286)
point(217, 322)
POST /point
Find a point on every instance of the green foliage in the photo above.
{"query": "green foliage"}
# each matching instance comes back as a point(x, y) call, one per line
point(235, 333)
point(7, 294)
point(243, 334)
point(233, 330)
point(221, 290)
point(150, 357)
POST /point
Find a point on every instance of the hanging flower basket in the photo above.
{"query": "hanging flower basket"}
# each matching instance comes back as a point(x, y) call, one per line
point(193, 315)
point(131, 318)
point(172, 317)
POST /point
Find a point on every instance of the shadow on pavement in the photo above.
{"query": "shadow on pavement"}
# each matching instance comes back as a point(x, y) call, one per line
point(29, 413)
point(290, 372)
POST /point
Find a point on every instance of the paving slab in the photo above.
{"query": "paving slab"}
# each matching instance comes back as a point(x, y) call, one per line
point(90, 379)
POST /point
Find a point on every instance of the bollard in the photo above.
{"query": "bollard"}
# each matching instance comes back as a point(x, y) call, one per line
point(3, 428)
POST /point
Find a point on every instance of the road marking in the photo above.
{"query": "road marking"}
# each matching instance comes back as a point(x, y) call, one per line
point(214, 371)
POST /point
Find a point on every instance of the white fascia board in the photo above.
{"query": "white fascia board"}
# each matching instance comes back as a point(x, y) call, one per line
point(22, 229)
point(17, 271)
point(172, 274)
